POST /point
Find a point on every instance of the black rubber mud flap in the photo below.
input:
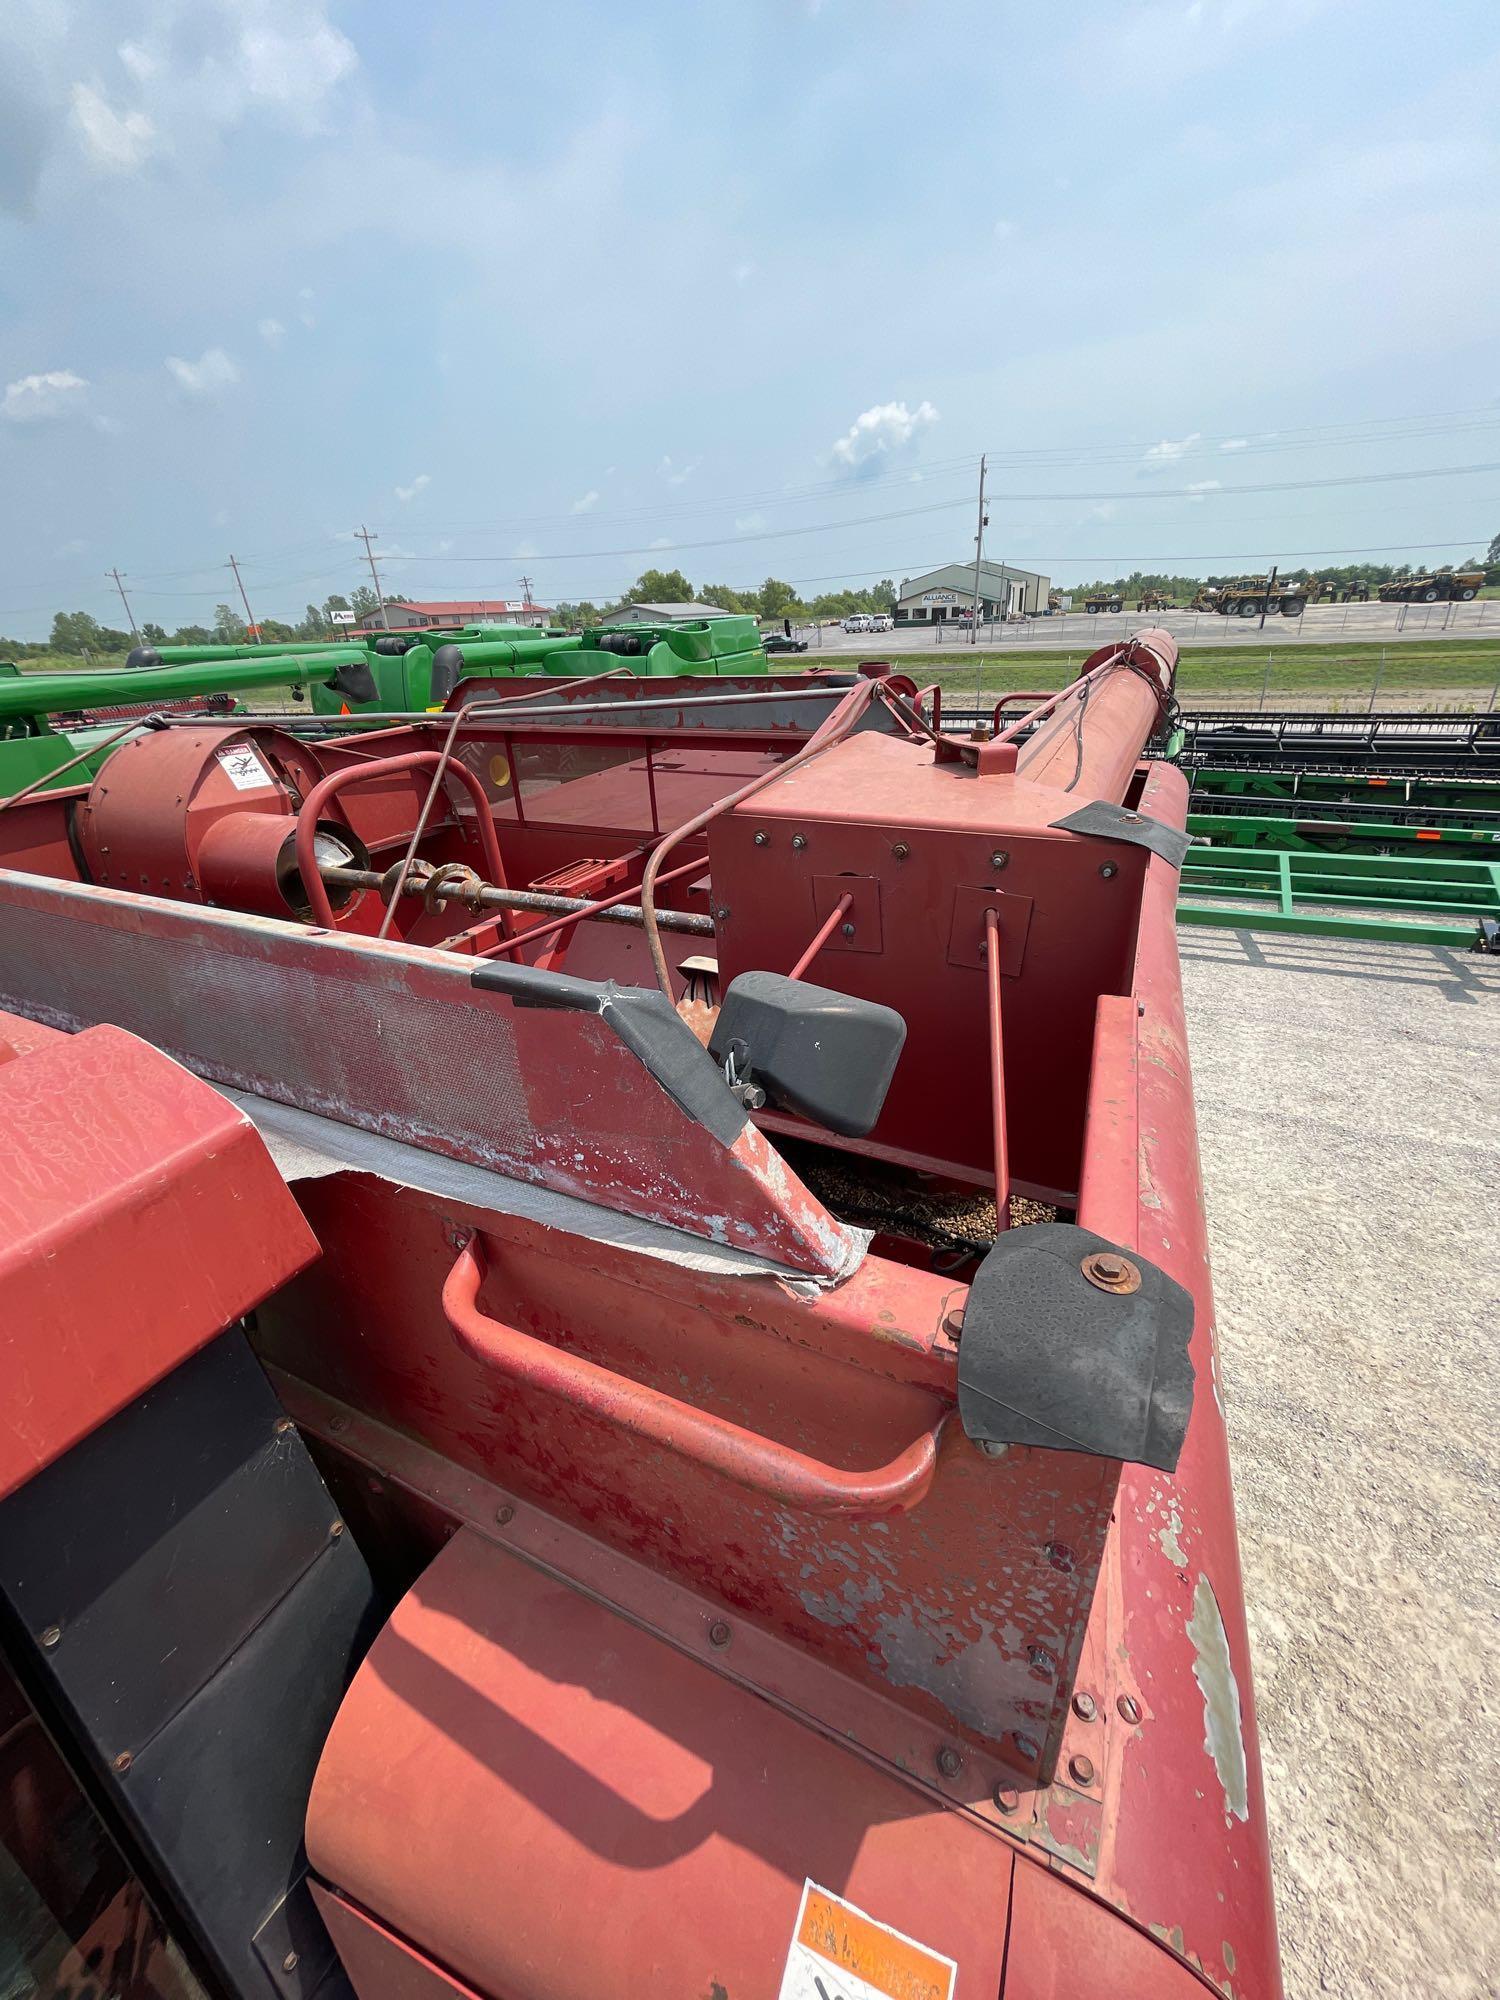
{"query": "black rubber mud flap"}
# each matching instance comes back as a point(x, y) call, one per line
point(1104, 821)
point(354, 682)
point(1048, 1358)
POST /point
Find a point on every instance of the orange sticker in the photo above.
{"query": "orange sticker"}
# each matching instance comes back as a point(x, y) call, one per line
point(841, 1953)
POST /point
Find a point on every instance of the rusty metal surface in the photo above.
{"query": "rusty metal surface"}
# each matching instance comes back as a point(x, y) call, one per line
point(113, 1160)
point(657, 1822)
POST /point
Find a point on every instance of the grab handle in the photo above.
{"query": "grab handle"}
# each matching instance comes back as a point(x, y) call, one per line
point(774, 1471)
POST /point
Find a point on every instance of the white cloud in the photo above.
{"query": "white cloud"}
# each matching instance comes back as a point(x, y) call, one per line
point(57, 393)
point(1171, 448)
point(749, 524)
point(1199, 487)
point(117, 141)
point(404, 493)
point(880, 432)
point(586, 502)
point(272, 332)
point(242, 55)
point(1234, 444)
point(662, 542)
point(211, 372)
point(677, 472)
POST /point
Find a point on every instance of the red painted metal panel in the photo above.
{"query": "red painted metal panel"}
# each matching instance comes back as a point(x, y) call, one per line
point(555, 1805)
point(380, 1965)
point(1063, 1946)
point(139, 1215)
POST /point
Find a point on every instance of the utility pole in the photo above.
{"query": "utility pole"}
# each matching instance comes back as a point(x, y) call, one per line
point(126, 602)
point(979, 555)
point(366, 537)
point(525, 583)
point(1265, 602)
point(249, 615)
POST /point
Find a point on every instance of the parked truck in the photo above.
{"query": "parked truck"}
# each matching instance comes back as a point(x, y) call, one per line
point(1249, 596)
point(1104, 600)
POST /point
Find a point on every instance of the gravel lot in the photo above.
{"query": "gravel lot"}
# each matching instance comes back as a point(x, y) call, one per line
point(1347, 1116)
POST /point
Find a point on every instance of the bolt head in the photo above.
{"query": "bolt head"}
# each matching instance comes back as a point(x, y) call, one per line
point(1007, 1798)
point(949, 1762)
point(1108, 870)
point(1081, 1770)
point(847, 929)
point(505, 1514)
point(999, 858)
point(1041, 1660)
point(338, 1423)
point(763, 840)
point(901, 850)
point(721, 915)
point(336, 1529)
point(52, 1634)
point(1129, 1707)
point(799, 841)
point(289, 1963)
point(283, 1425)
point(124, 1761)
point(1111, 1272)
point(953, 1323)
point(1083, 1707)
point(1059, 1555)
point(719, 1633)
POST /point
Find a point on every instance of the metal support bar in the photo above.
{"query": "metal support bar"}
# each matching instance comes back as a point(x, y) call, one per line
point(824, 932)
point(485, 896)
point(997, 1070)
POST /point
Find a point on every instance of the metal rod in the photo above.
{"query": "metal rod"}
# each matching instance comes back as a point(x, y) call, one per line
point(997, 1071)
point(824, 933)
point(590, 910)
point(487, 897)
point(438, 772)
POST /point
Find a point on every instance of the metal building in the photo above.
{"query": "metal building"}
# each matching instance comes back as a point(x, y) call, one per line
point(948, 593)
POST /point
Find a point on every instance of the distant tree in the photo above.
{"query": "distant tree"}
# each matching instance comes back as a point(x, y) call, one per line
point(229, 627)
point(274, 630)
point(312, 625)
point(332, 604)
point(363, 602)
point(775, 598)
point(884, 595)
point(76, 632)
point(660, 586)
point(577, 617)
point(1492, 562)
point(154, 635)
point(192, 635)
point(729, 599)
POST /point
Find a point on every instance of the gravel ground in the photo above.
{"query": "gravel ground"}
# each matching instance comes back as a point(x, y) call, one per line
point(1347, 1115)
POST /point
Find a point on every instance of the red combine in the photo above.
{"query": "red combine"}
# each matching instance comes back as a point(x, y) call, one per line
point(716, 1485)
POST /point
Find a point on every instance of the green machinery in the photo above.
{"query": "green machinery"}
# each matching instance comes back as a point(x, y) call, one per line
point(1391, 898)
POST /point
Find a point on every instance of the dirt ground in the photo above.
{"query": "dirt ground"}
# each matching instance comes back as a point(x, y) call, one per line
point(1347, 1098)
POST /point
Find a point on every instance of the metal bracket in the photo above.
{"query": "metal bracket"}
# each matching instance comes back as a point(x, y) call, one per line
point(1072, 1344)
point(1104, 821)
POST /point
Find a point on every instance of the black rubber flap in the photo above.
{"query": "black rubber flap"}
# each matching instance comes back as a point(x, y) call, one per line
point(447, 666)
point(648, 1025)
point(1047, 1358)
point(354, 682)
point(1132, 829)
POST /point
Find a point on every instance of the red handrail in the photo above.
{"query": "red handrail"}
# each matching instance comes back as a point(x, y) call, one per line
point(356, 774)
point(774, 1471)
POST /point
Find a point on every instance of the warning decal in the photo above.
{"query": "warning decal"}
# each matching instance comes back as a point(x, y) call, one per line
point(244, 769)
point(839, 1953)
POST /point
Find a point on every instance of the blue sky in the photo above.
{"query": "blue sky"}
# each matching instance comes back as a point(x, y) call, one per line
point(569, 288)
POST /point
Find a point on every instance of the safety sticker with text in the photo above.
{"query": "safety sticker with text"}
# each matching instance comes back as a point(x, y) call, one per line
point(244, 769)
point(839, 1953)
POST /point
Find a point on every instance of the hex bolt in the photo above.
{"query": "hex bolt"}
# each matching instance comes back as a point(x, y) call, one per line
point(1083, 1707)
point(1110, 1272)
point(901, 850)
point(949, 1762)
point(1081, 1770)
point(505, 1514)
point(763, 840)
point(289, 1963)
point(719, 1633)
point(799, 841)
point(999, 858)
point(1109, 869)
point(338, 1423)
point(847, 930)
point(721, 915)
point(1059, 1555)
point(1007, 1798)
point(1041, 1660)
point(1129, 1707)
point(953, 1322)
point(52, 1634)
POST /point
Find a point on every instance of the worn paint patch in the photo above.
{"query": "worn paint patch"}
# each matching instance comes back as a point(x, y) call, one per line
point(1167, 1535)
point(1224, 1737)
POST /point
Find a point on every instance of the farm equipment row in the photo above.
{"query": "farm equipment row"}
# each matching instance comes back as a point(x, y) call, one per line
point(669, 1489)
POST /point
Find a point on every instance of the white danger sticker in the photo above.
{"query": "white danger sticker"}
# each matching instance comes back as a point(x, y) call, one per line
point(839, 1953)
point(244, 769)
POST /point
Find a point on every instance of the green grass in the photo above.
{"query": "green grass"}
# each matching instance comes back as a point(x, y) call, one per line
point(1457, 670)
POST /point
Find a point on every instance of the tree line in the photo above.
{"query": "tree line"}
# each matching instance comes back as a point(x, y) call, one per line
point(1182, 588)
point(773, 601)
point(79, 635)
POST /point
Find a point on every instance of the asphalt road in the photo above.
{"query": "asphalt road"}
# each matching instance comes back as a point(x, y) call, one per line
point(1352, 1164)
point(1320, 624)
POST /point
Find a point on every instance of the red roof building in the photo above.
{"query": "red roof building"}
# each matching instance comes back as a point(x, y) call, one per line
point(464, 611)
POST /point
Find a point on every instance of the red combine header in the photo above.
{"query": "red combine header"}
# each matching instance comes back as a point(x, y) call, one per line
point(716, 1484)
